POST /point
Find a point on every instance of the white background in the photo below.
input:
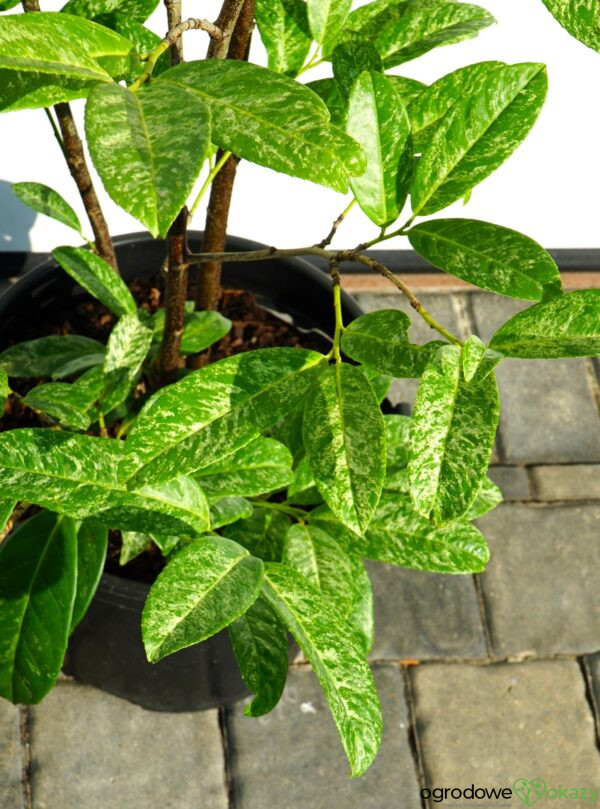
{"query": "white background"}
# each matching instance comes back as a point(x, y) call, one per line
point(547, 189)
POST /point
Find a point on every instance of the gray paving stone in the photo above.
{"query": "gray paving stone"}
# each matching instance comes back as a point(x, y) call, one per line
point(11, 757)
point(573, 482)
point(97, 751)
point(513, 480)
point(548, 412)
point(293, 759)
point(489, 725)
point(541, 585)
point(422, 616)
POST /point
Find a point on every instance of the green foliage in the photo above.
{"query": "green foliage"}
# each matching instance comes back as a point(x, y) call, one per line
point(49, 356)
point(350, 58)
point(204, 588)
point(226, 510)
point(581, 18)
point(127, 348)
point(143, 40)
point(283, 28)
point(201, 329)
point(263, 533)
point(133, 545)
point(4, 389)
point(47, 201)
point(92, 542)
point(478, 361)
point(70, 405)
point(262, 466)
point(138, 10)
point(326, 18)
point(97, 277)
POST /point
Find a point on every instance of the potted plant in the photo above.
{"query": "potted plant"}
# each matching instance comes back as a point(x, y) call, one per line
point(264, 477)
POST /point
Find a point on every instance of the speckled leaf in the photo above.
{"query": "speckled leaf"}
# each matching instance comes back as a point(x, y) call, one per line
point(97, 277)
point(47, 57)
point(488, 256)
point(397, 481)
point(77, 365)
point(45, 200)
point(378, 121)
point(4, 389)
point(260, 645)
point(79, 475)
point(215, 411)
point(477, 136)
point(399, 536)
point(148, 160)
point(581, 18)
point(143, 40)
point(452, 432)
point(167, 544)
point(92, 542)
point(205, 587)
point(283, 28)
point(488, 497)
point(397, 439)
point(336, 658)
point(351, 58)
point(568, 326)
point(380, 340)
point(421, 27)
point(135, 9)
point(226, 510)
point(345, 443)
point(38, 577)
point(407, 89)
point(326, 18)
point(127, 348)
point(362, 616)
point(46, 355)
point(6, 510)
point(201, 329)
point(427, 109)
point(288, 430)
point(478, 361)
point(302, 490)
point(260, 467)
point(134, 544)
point(329, 92)
point(271, 120)
point(379, 382)
point(263, 534)
point(68, 404)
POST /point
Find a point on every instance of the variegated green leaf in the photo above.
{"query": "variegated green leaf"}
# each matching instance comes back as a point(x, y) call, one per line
point(283, 28)
point(201, 329)
point(488, 497)
point(380, 340)
point(71, 405)
point(581, 18)
point(399, 536)
point(271, 120)
point(135, 9)
point(377, 119)
point(489, 256)
point(260, 467)
point(92, 542)
point(407, 89)
point(397, 439)
point(134, 544)
point(260, 645)
point(452, 432)
point(478, 361)
point(302, 490)
point(47, 356)
point(215, 411)
point(205, 587)
point(79, 475)
point(379, 382)
point(127, 348)
point(47, 201)
point(4, 389)
point(6, 510)
point(263, 533)
point(329, 92)
point(47, 57)
point(38, 578)
point(478, 134)
point(143, 40)
point(97, 277)
point(226, 510)
point(351, 58)
point(567, 326)
point(147, 159)
point(345, 443)
point(362, 616)
point(326, 18)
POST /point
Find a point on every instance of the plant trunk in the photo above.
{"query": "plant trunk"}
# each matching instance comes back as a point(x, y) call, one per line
point(175, 297)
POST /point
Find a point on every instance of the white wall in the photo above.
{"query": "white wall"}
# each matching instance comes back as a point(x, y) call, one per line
point(547, 189)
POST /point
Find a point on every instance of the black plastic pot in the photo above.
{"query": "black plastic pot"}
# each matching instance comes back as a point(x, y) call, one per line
point(106, 648)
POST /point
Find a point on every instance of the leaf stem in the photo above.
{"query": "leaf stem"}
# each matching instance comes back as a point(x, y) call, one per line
point(206, 185)
point(337, 306)
point(328, 239)
point(285, 509)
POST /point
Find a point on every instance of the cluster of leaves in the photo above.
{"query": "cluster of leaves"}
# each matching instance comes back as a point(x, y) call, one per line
point(268, 477)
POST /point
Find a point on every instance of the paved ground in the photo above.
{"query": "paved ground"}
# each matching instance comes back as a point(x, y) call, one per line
point(483, 679)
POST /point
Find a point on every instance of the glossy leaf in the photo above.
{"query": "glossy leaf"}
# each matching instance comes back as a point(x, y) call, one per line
point(263, 533)
point(452, 432)
point(4, 389)
point(351, 58)
point(380, 340)
point(345, 443)
point(302, 490)
point(478, 135)
point(6, 510)
point(148, 161)
point(68, 404)
point(283, 28)
point(215, 411)
point(134, 544)
point(5, 5)
point(92, 542)
point(260, 467)
point(226, 510)
point(143, 40)
point(205, 587)
point(47, 57)
point(127, 348)
point(378, 121)
point(260, 645)
point(399, 536)
point(47, 355)
point(478, 361)
point(47, 201)
point(288, 430)
point(397, 441)
point(336, 658)
point(38, 578)
point(135, 9)
point(581, 18)
point(329, 92)
point(79, 475)
point(167, 544)
point(201, 329)
point(379, 382)
point(488, 497)
point(97, 277)
point(488, 256)
point(567, 326)
point(407, 89)
point(271, 120)
point(362, 616)
point(326, 18)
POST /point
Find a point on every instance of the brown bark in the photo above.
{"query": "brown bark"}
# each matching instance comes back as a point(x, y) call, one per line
point(174, 18)
point(175, 297)
point(226, 21)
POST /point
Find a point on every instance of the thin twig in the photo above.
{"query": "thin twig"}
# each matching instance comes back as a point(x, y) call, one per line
point(206, 184)
point(175, 297)
point(173, 8)
point(334, 228)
